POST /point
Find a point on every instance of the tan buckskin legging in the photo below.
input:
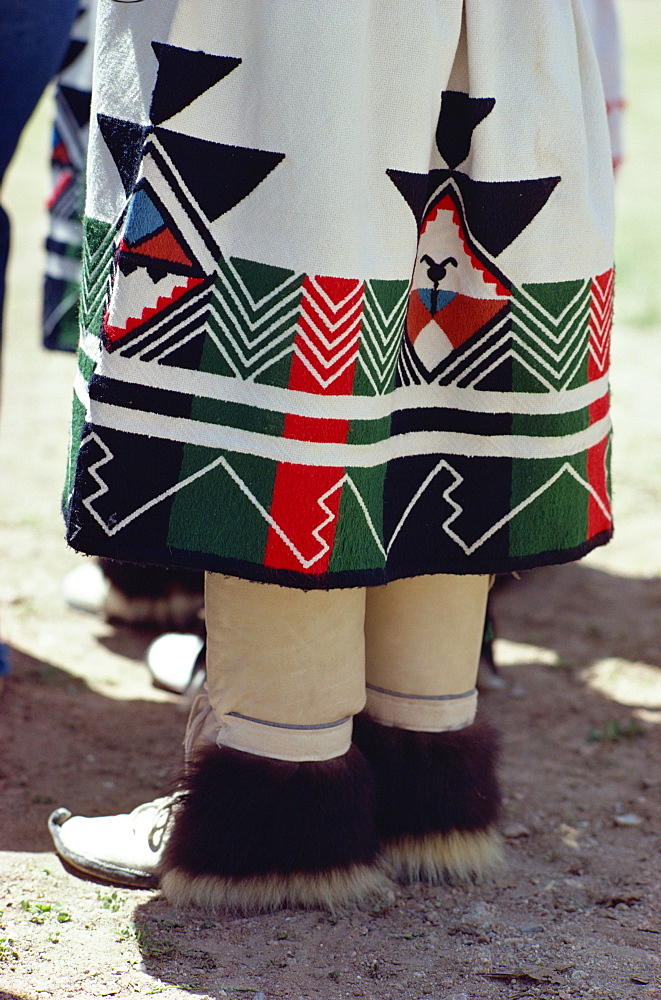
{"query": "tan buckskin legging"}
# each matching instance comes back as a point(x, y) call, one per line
point(288, 669)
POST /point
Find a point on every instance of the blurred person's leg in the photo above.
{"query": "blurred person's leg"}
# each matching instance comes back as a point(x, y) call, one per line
point(33, 40)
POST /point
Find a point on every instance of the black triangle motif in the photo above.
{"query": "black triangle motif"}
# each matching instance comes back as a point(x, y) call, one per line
point(125, 141)
point(79, 103)
point(498, 211)
point(182, 76)
point(460, 115)
point(414, 188)
point(73, 51)
point(218, 176)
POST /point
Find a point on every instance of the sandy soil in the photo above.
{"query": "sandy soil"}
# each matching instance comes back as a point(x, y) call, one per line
point(577, 912)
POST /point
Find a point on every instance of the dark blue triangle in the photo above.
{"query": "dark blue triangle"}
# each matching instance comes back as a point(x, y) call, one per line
point(78, 102)
point(218, 176)
point(125, 141)
point(498, 211)
point(182, 76)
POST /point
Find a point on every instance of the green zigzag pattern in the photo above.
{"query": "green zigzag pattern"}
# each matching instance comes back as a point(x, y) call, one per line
point(384, 312)
point(252, 318)
point(98, 244)
point(550, 333)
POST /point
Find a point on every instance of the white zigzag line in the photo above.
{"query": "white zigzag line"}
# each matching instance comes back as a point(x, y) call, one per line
point(325, 547)
point(568, 335)
point(600, 328)
point(600, 358)
point(553, 320)
point(256, 303)
point(389, 338)
point(324, 383)
point(384, 338)
point(352, 343)
point(221, 461)
point(92, 288)
point(334, 307)
point(372, 301)
point(512, 353)
point(103, 488)
point(383, 376)
point(245, 348)
point(601, 305)
point(608, 290)
point(254, 323)
point(311, 338)
point(309, 310)
point(248, 363)
point(566, 467)
point(381, 368)
point(579, 348)
point(382, 364)
point(458, 509)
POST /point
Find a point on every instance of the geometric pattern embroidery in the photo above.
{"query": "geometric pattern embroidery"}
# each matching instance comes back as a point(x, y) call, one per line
point(328, 337)
point(550, 335)
point(361, 458)
point(98, 249)
point(249, 320)
point(67, 200)
point(384, 312)
point(601, 320)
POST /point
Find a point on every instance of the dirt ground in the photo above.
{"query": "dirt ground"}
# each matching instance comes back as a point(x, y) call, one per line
point(577, 911)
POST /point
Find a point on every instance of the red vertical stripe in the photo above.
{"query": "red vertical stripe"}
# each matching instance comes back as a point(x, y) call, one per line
point(324, 363)
point(601, 308)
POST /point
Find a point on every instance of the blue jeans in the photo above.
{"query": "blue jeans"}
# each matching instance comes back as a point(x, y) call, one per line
point(33, 43)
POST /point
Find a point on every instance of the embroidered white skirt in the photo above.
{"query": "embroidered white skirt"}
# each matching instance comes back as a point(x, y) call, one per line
point(347, 289)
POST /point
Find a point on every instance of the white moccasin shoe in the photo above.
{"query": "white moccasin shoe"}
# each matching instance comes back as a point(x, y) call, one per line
point(125, 849)
point(176, 662)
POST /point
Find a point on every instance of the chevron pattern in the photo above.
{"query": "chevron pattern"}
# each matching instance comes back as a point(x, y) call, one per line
point(94, 277)
point(601, 320)
point(381, 333)
point(251, 323)
point(551, 345)
point(484, 352)
point(328, 337)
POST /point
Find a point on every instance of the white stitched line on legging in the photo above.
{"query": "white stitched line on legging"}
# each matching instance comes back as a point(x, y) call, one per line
point(282, 725)
point(422, 697)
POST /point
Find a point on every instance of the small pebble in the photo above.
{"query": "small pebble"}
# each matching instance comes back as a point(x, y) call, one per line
point(516, 830)
point(628, 819)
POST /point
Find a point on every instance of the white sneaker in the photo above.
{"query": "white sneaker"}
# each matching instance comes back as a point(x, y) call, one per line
point(126, 849)
point(174, 660)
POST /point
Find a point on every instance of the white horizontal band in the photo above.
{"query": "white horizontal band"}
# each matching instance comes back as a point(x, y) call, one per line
point(426, 714)
point(334, 455)
point(330, 407)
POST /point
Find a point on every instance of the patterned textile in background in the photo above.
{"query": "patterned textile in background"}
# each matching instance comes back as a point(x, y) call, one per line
point(66, 203)
point(347, 290)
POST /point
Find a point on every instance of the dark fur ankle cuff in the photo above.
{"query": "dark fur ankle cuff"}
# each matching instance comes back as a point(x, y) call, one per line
point(437, 797)
point(254, 834)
